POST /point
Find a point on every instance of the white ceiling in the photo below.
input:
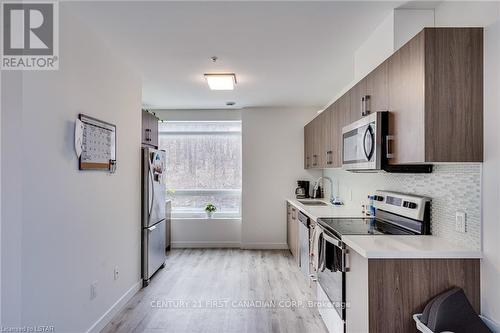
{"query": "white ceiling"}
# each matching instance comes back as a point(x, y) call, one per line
point(283, 53)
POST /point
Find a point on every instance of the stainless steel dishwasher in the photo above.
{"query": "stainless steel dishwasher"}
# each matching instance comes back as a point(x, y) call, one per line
point(304, 244)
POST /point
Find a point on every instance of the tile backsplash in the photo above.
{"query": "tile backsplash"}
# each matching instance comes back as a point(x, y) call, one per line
point(452, 187)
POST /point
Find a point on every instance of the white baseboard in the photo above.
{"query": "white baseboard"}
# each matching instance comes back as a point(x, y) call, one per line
point(200, 245)
point(114, 309)
point(228, 244)
point(494, 326)
point(264, 246)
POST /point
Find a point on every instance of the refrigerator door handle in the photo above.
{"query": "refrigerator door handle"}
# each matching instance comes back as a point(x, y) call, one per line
point(152, 187)
point(152, 228)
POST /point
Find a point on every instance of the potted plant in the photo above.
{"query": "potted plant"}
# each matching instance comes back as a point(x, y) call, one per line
point(210, 209)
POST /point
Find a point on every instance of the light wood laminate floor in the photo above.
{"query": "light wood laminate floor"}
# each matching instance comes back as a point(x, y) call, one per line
point(222, 291)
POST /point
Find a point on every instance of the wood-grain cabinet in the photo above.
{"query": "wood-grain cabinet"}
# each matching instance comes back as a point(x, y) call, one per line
point(149, 129)
point(383, 294)
point(433, 89)
point(436, 97)
point(293, 231)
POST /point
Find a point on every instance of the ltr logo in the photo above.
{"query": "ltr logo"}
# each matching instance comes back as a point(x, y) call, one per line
point(29, 36)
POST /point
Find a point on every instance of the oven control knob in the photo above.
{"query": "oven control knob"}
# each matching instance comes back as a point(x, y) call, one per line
point(409, 204)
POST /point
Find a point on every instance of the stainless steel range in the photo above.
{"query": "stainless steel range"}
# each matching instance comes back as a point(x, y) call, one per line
point(395, 214)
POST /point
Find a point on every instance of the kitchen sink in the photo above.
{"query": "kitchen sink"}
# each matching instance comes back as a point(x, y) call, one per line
point(312, 203)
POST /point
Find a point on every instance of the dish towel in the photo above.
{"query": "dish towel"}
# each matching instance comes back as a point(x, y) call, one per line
point(315, 247)
point(333, 257)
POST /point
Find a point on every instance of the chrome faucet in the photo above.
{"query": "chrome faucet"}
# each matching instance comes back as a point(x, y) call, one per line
point(334, 200)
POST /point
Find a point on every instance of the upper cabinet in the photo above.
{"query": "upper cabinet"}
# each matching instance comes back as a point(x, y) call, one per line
point(308, 145)
point(149, 129)
point(433, 90)
point(436, 97)
point(326, 136)
point(406, 102)
point(340, 118)
point(358, 99)
point(371, 94)
point(323, 135)
point(377, 89)
point(454, 95)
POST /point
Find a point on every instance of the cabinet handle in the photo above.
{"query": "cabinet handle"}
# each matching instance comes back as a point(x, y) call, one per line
point(387, 146)
point(365, 106)
point(329, 159)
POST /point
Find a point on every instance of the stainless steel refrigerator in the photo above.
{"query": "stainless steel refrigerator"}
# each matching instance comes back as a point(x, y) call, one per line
point(153, 212)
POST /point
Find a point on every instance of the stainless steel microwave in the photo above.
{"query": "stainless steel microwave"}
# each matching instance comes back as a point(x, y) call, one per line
point(363, 142)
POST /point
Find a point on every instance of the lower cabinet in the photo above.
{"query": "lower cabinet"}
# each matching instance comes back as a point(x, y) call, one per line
point(383, 294)
point(293, 231)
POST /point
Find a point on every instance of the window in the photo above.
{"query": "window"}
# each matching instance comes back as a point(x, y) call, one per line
point(203, 166)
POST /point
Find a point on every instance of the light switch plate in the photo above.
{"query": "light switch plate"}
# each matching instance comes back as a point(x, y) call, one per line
point(460, 219)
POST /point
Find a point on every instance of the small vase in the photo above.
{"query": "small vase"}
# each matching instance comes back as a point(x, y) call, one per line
point(209, 214)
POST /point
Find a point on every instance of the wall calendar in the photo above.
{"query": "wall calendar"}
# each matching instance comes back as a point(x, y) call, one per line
point(95, 144)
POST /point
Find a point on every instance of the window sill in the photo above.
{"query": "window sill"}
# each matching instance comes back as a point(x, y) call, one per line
point(197, 219)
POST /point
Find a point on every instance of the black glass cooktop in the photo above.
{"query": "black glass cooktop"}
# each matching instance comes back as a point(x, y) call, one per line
point(361, 226)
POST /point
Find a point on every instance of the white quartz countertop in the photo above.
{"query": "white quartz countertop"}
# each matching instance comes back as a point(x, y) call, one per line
point(315, 212)
point(409, 247)
point(387, 246)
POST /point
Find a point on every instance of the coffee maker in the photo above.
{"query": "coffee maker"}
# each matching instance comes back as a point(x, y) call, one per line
point(302, 191)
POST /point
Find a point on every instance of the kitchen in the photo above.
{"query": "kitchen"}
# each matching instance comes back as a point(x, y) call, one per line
point(331, 169)
point(378, 141)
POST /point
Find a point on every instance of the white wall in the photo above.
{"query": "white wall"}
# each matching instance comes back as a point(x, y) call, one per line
point(409, 22)
point(491, 184)
point(67, 228)
point(200, 115)
point(466, 13)
point(11, 204)
point(203, 233)
point(273, 145)
point(375, 49)
point(392, 33)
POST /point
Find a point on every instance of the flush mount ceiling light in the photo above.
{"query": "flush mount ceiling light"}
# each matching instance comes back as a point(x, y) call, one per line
point(221, 81)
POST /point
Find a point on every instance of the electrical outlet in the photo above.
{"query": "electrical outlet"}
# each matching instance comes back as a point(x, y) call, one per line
point(93, 290)
point(460, 219)
point(116, 273)
point(350, 195)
